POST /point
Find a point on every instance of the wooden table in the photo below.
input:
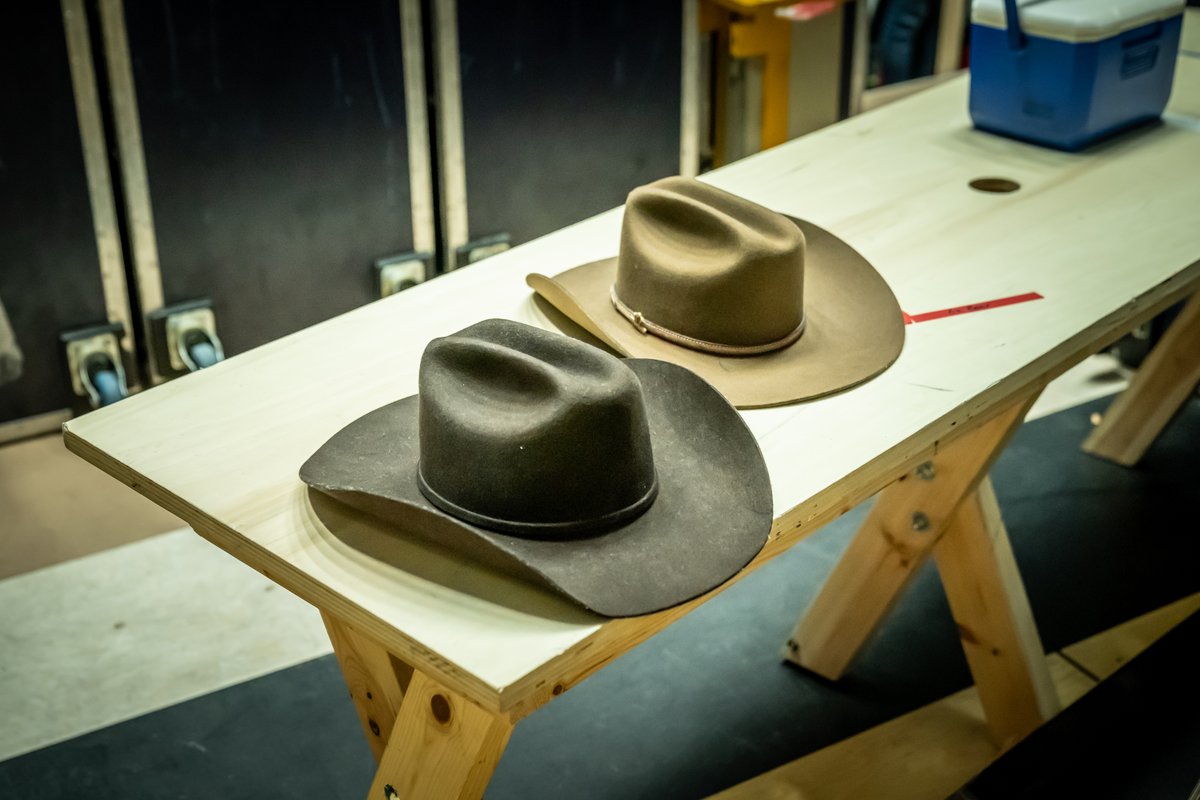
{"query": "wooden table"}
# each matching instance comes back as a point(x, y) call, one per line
point(442, 658)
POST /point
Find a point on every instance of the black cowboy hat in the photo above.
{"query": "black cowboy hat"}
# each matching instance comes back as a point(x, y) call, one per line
point(627, 485)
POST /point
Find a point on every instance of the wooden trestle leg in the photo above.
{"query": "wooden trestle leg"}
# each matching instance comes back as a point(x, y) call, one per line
point(430, 741)
point(945, 507)
point(995, 624)
point(1159, 389)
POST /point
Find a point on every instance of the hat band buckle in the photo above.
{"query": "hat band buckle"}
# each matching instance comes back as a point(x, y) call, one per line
point(645, 326)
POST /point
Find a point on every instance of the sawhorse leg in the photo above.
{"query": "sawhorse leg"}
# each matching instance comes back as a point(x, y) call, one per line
point(430, 742)
point(1159, 389)
point(995, 624)
point(945, 507)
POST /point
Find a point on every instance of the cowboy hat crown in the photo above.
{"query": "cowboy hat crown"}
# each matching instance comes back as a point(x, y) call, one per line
point(710, 270)
point(527, 432)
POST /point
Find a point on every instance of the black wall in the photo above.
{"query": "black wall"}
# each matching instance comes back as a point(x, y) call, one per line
point(49, 268)
point(566, 107)
point(276, 154)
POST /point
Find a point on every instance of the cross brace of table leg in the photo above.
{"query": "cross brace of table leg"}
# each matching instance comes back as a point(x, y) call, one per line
point(1158, 390)
point(944, 507)
point(430, 741)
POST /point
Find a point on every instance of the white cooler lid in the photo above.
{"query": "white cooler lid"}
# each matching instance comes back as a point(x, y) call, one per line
point(1076, 20)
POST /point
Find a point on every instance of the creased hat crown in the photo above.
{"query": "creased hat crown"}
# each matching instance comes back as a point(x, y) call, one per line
point(532, 433)
point(706, 264)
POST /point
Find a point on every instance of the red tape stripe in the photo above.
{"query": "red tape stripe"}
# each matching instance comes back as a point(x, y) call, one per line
point(984, 306)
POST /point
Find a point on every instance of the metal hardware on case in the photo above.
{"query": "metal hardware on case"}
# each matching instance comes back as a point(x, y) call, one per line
point(926, 472)
point(96, 168)
point(479, 249)
point(186, 337)
point(95, 363)
point(920, 522)
point(397, 273)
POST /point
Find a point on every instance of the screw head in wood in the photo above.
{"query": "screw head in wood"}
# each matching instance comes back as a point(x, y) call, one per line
point(920, 522)
point(792, 646)
point(926, 472)
point(390, 793)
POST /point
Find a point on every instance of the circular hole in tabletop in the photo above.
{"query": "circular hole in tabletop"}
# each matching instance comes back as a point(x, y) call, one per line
point(994, 185)
point(441, 708)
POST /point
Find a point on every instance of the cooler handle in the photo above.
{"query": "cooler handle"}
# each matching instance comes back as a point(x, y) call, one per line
point(1012, 20)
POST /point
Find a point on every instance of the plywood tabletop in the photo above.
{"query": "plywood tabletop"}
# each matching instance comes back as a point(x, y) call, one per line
point(1189, 40)
point(1106, 236)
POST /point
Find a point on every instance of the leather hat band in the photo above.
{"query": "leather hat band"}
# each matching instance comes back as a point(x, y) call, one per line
point(542, 530)
point(646, 326)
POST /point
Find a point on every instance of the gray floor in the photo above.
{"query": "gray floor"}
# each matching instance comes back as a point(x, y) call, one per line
point(707, 703)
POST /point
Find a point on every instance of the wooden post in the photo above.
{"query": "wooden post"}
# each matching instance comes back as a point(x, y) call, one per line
point(714, 22)
point(443, 747)
point(762, 34)
point(908, 518)
point(976, 564)
point(376, 679)
point(1159, 389)
point(951, 27)
point(431, 743)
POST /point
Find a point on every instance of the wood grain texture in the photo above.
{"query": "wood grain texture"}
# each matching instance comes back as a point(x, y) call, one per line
point(927, 753)
point(376, 680)
point(443, 746)
point(1158, 390)
point(904, 525)
point(1105, 653)
point(931, 752)
point(99, 179)
point(996, 625)
point(143, 245)
point(221, 448)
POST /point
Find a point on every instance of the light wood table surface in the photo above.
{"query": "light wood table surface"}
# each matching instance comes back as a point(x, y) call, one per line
point(442, 658)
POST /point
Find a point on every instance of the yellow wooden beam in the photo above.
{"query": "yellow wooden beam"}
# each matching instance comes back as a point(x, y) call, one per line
point(764, 35)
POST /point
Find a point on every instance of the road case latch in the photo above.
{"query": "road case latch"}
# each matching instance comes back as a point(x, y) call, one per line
point(96, 363)
point(186, 335)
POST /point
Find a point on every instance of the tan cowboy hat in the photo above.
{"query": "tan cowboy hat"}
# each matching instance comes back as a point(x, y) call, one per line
point(768, 309)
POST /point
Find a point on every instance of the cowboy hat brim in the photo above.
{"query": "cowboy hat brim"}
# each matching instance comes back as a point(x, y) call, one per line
point(854, 329)
point(712, 514)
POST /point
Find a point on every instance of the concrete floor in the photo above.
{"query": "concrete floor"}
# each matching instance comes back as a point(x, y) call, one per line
point(56, 507)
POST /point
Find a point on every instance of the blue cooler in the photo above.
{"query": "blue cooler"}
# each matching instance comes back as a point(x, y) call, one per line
point(1068, 72)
